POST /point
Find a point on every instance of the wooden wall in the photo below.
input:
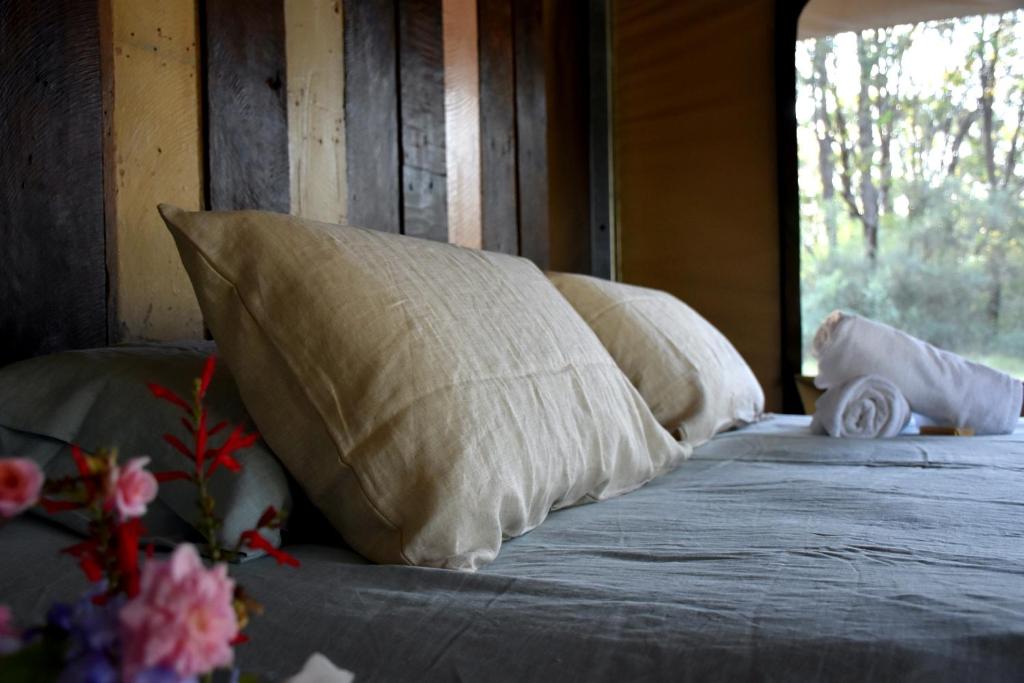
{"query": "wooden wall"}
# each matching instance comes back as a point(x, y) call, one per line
point(696, 166)
point(458, 120)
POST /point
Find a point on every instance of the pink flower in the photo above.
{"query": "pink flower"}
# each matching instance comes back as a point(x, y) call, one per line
point(132, 488)
point(182, 619)
point(20, 483)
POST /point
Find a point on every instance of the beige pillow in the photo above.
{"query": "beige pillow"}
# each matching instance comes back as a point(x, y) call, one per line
point(431, 400)
point(694, 380)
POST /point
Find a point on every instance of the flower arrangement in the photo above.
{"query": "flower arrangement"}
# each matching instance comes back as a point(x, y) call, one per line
point(147, 619)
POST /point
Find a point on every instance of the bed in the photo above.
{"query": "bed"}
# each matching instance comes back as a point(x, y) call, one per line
point(771, 555)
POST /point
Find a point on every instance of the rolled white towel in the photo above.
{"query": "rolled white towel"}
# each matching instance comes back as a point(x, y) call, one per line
point(937, 384)
point(866, 407)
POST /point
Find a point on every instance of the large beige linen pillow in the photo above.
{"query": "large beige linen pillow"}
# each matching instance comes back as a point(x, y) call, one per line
point(431, 400)
point(693, 379)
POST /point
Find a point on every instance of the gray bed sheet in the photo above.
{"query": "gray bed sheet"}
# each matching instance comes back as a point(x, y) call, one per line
point(771, 555)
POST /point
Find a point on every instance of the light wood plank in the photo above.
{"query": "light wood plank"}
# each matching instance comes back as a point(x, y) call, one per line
point(154, 155)
point(316, 109)
point(462, 122)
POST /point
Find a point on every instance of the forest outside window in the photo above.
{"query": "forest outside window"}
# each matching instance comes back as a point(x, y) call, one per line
point(911, 181)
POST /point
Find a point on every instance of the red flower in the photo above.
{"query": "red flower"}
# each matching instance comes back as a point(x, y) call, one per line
point(87, 554)
point(128, 554)
point(204, 381)
point(254, 540)
point(173, 475)
point(267, 518)
point(166, 394)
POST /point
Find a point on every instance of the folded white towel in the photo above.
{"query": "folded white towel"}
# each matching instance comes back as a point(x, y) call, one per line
point(866, 407)
point(937, 384)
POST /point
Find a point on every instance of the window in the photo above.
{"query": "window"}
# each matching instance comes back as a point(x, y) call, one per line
point(911, 179)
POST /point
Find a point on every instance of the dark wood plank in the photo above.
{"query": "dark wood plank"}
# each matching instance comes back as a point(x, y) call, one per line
point(531, 131)
point(421, 116)
point(246, 113)
point(787, 14)
point(498, 183)
point(567, 72)
point(371, 114)
point(601, 229)
point(52, 263)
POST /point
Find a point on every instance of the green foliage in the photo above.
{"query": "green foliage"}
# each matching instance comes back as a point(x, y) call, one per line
point(912, 183)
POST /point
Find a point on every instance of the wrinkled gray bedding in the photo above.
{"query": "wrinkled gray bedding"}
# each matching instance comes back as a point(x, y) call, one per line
point(773, 554)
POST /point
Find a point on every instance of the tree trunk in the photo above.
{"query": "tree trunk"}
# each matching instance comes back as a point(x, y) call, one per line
point(866, 145)
point(826, 159)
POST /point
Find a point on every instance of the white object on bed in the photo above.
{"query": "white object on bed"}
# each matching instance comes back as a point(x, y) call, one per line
point(865, 407)
point(319, 669)
point(937, 384)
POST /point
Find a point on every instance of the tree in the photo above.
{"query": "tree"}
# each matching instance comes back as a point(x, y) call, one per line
point(919, 210)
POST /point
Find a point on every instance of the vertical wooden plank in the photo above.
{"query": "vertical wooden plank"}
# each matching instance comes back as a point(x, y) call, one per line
point(422, 117)
point(52, 277)
point(567, 71)
point(787, 15)
point(371, 114)
point(499, 211)
point(682, 154)
point(246, 116)
point(531, 131)
point(153, 155)
point(601, 227)
point(462, 122)
point(316, 114)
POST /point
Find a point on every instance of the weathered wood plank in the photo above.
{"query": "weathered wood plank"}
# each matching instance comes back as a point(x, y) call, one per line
point(246, 114)
point(422, 118)
point(462, 122)
point(499, 201)
point(52, 269)
point(371, 115)
point(316, 109)
point(153, 154)
point(531, 131)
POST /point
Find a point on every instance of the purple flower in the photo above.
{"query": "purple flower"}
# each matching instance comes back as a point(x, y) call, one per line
point(94, 628)
point(161, 674)
point(93, 667)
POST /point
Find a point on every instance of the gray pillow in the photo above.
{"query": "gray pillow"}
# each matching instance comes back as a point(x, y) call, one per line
point(98, 398)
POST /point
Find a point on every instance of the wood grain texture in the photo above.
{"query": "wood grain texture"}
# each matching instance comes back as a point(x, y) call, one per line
point(371, 114)
point(422, 117)
point(498, 182)
point(462, 122)
point(695, 164)
point(153, 155)
point(52, 278)
point(532, 131)
point(316, 109)
point(566, 72)
point(246, 116)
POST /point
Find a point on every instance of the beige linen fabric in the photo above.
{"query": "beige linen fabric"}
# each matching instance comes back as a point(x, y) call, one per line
point(693, 379)
point(431, 400)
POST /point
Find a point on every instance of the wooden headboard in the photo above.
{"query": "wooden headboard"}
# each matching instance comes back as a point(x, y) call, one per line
point(460, 120)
